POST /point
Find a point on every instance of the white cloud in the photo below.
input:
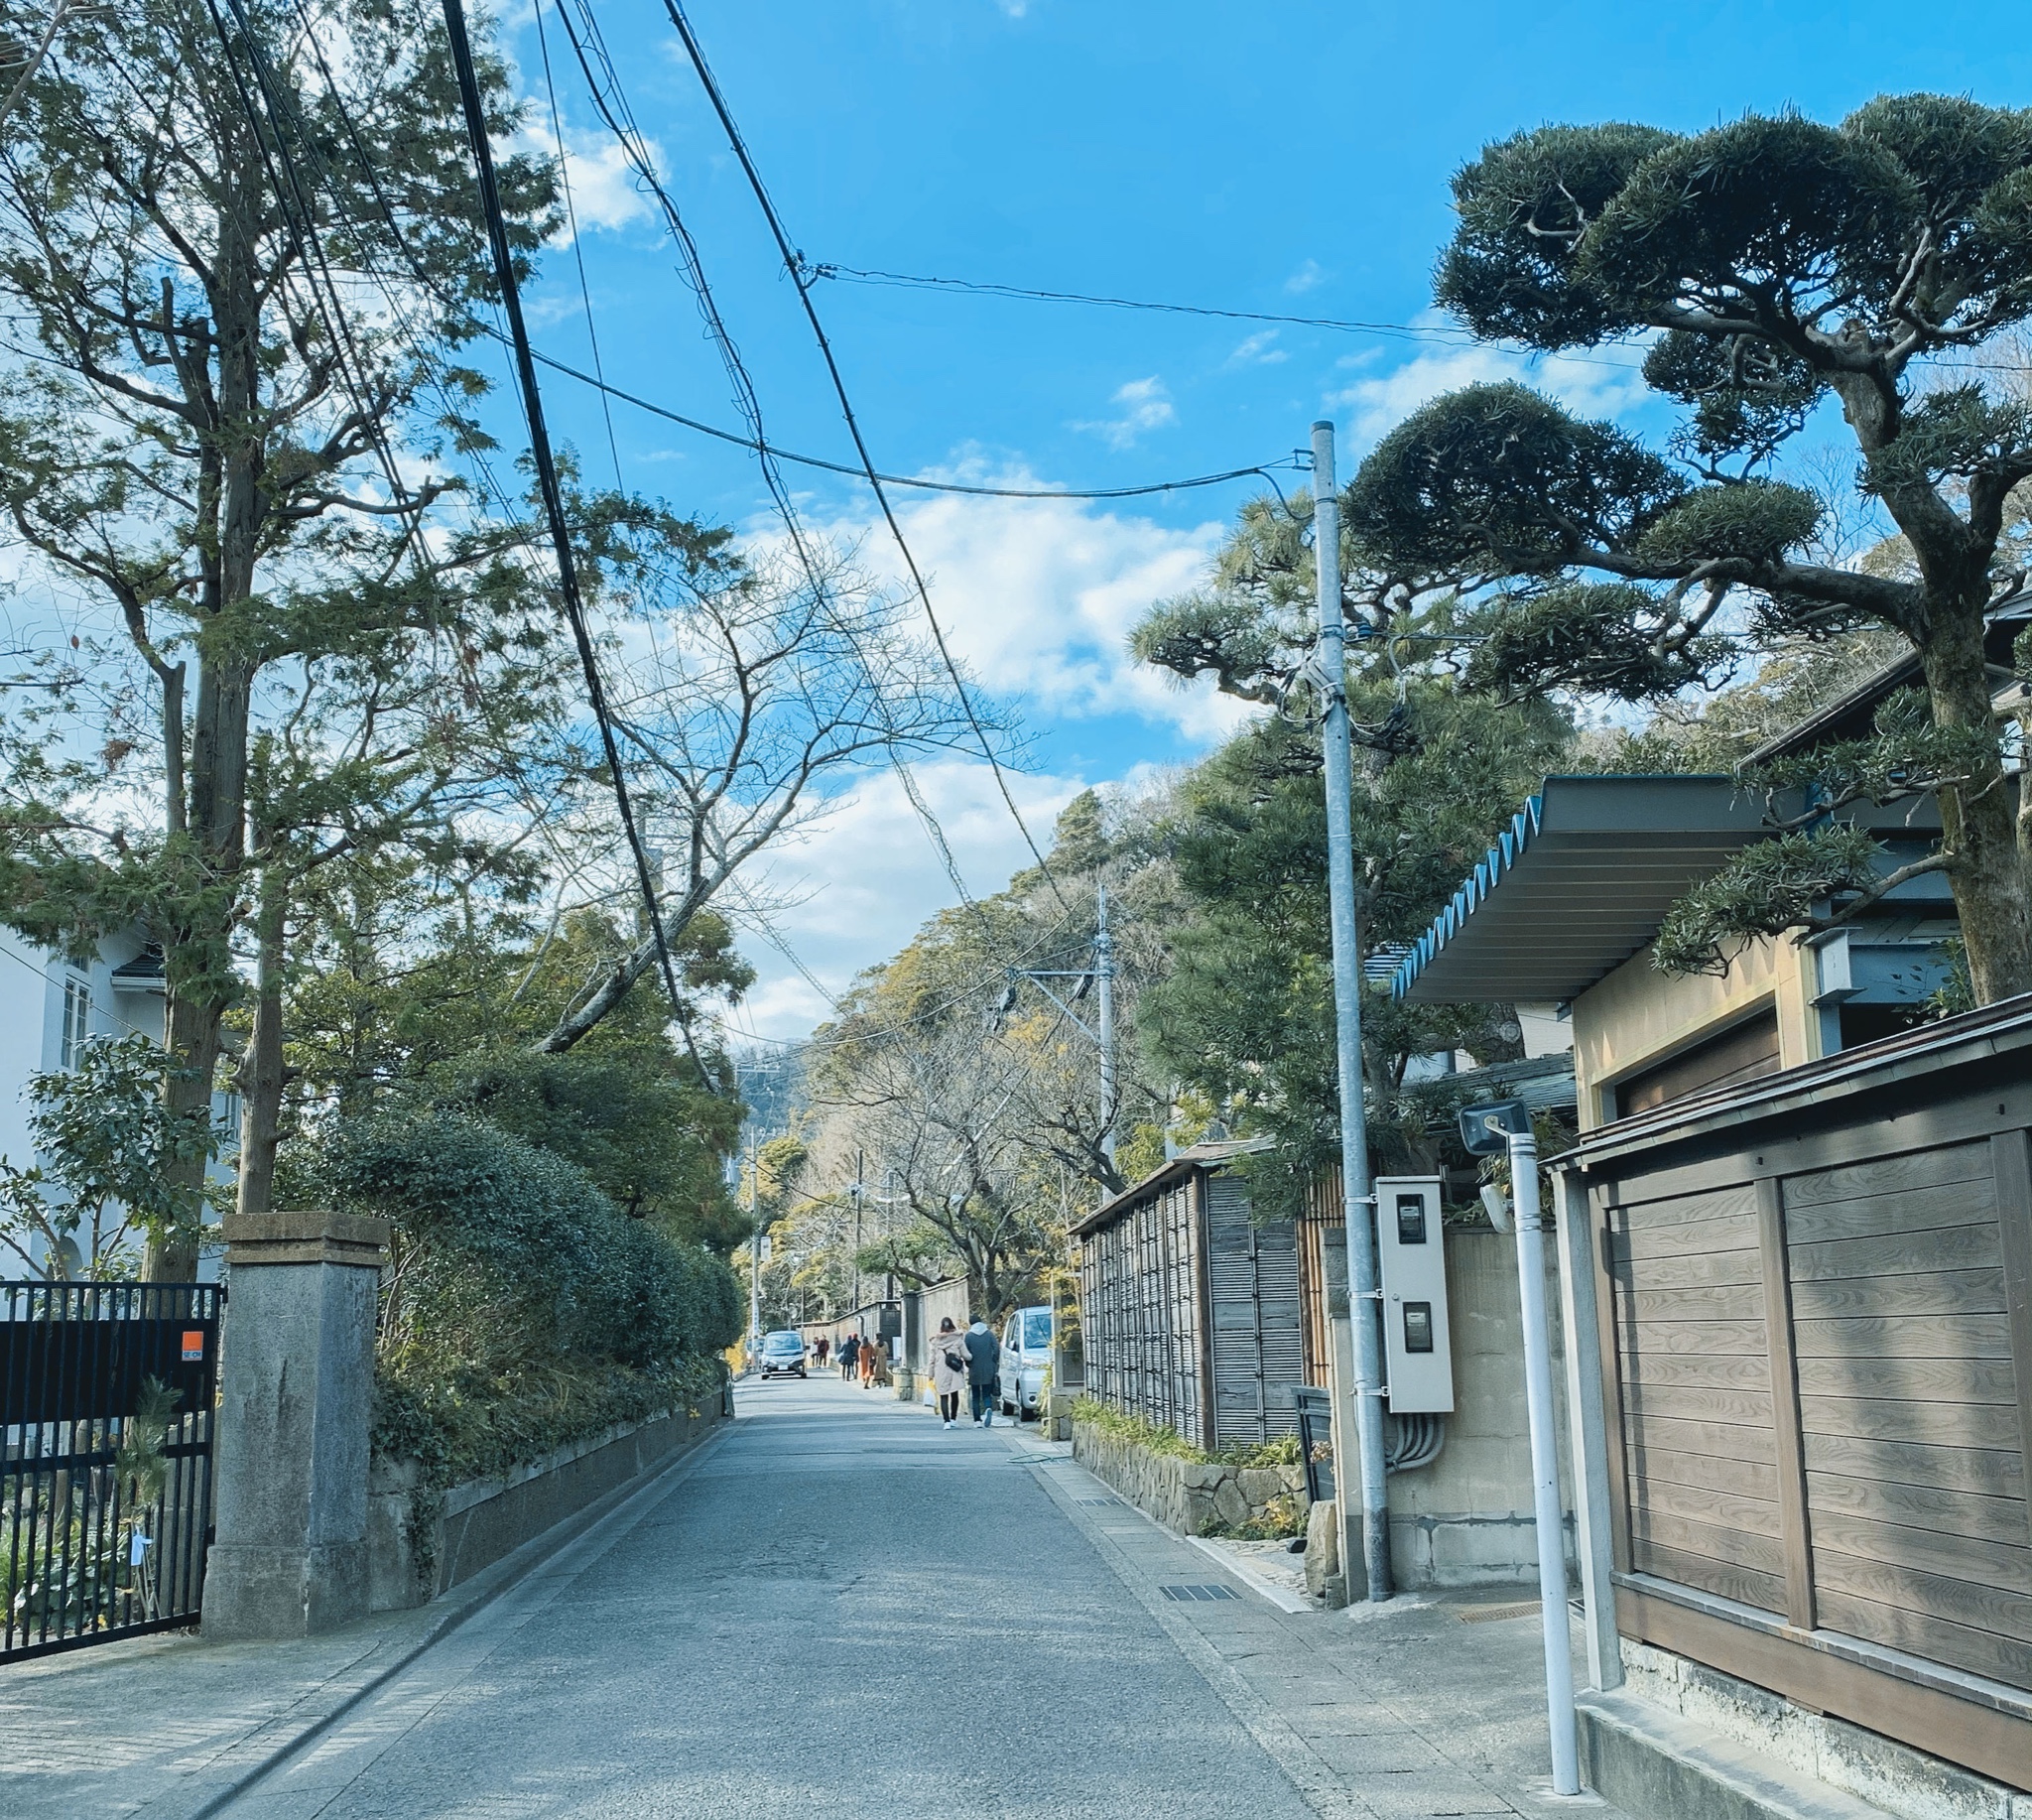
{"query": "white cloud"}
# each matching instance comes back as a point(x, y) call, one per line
point(1038, 597)
point(864, 877)
point(1258, 350)
point(1308, 277)
point(605, 192)
point(1145, 405)
point(1595, 386)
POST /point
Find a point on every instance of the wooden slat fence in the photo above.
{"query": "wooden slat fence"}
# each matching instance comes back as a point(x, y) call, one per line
point(1816, 1296)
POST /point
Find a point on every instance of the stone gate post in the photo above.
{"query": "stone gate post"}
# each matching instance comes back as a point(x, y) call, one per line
point(290, 1556)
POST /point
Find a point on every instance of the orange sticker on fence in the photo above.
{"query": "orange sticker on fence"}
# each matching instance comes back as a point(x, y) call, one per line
point(194, 1342)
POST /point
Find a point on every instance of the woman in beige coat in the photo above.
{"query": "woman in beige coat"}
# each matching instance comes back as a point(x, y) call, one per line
point(948, 1379)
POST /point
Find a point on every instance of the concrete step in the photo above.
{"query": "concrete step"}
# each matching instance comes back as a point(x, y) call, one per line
point(1660, 1767)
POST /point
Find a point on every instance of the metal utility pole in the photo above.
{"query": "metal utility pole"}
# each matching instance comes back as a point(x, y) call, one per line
point(1331, 663)
point(858, 1190)
point(755, 1272)
point(1104, 977)
point(1101, 1033)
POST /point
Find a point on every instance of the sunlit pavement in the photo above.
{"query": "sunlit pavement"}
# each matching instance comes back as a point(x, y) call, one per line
point(838, 1608)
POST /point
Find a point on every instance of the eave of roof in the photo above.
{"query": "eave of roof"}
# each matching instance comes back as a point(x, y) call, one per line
point(1851, 715)
point(1577, 884)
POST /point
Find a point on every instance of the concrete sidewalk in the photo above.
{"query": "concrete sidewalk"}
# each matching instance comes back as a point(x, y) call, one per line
point(1426, 1705)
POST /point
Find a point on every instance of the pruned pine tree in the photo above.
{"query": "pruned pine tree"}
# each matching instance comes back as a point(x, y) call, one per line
point(1774, 267)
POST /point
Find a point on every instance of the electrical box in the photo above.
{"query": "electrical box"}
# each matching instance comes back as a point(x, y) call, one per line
point(1411, 1250)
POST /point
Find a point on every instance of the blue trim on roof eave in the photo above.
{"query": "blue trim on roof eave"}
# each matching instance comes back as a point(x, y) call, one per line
point(1488, 872)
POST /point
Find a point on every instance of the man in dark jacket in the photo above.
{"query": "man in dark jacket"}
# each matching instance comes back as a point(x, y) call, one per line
point(984, 1368)
point(848, 1346)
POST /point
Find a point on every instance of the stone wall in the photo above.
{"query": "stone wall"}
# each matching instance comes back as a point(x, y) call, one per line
point(1187, 1496)
point(483, 1519)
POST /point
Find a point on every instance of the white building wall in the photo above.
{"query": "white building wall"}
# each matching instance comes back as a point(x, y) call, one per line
point(32, 997)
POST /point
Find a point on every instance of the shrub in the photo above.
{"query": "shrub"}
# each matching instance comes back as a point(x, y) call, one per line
point(1136, 1430)
point(524, 1310)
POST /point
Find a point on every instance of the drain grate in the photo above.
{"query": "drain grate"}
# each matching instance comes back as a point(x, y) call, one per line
point(1185, 1595)
point(1091, 1502)
point(1494, 1614)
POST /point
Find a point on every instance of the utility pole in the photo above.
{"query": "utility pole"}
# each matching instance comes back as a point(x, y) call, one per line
point(1101, 1033)
point(1104, 976)
point(860, 1193)
point(1545, 1487)
point(755, 1271)
point(1361, 1196)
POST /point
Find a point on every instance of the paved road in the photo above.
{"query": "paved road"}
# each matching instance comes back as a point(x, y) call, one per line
point(838, 1608)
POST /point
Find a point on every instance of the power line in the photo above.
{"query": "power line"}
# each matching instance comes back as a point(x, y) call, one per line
point(1409, 331)
point(577, 245)
point(619, 119)
point(554, 502)
point(794, 265)
point(911, 281)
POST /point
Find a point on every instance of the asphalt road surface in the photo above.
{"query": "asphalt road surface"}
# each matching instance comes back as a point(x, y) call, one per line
point(835, 1609)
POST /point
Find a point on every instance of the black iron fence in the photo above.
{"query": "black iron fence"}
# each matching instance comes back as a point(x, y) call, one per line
point(106, 1393)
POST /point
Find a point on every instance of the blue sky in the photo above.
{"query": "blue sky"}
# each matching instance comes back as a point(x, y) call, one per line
point(1292, 159)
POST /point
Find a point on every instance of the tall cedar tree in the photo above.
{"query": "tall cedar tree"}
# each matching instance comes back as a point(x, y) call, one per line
point(1779, 263)
point(189, 434)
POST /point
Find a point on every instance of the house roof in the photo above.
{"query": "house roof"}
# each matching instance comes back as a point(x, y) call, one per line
point(1853, 714)
point(1577, 884)
point(1175, 1169)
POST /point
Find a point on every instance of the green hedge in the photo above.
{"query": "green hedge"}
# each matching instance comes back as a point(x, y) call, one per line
point(523, 1310)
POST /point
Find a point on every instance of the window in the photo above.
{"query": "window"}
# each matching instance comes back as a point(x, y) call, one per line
point(1410, 1220)
point(1037, 1330)
point(77, 1020)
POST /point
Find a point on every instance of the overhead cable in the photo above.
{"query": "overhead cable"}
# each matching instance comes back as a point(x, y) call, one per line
point(610, 101)
point(795, 266)
point(911, 281)
point(554, 501)
point(1438, 333)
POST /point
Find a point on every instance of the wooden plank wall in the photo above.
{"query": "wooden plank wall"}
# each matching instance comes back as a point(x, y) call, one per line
point(1700, 1456)
point(1908, 1409)
point(1823, 1388)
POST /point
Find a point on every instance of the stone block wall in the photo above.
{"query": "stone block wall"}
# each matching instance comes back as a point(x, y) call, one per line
point(1190, 1497)
point(483, 1519)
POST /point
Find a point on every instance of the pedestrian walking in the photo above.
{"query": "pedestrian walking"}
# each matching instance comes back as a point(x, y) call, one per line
point(949, 1364)
point(984, 1366)
point(820, 1349)
point(847, 1348)
point(867, 1363)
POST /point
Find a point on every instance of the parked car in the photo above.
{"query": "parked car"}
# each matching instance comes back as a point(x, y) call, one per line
point(1026, 1359)
point(783, 1352)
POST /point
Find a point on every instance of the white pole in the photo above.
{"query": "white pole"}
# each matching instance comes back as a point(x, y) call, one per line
point(1362, 1304)
point(1104, 974)
point(1545, 1479)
